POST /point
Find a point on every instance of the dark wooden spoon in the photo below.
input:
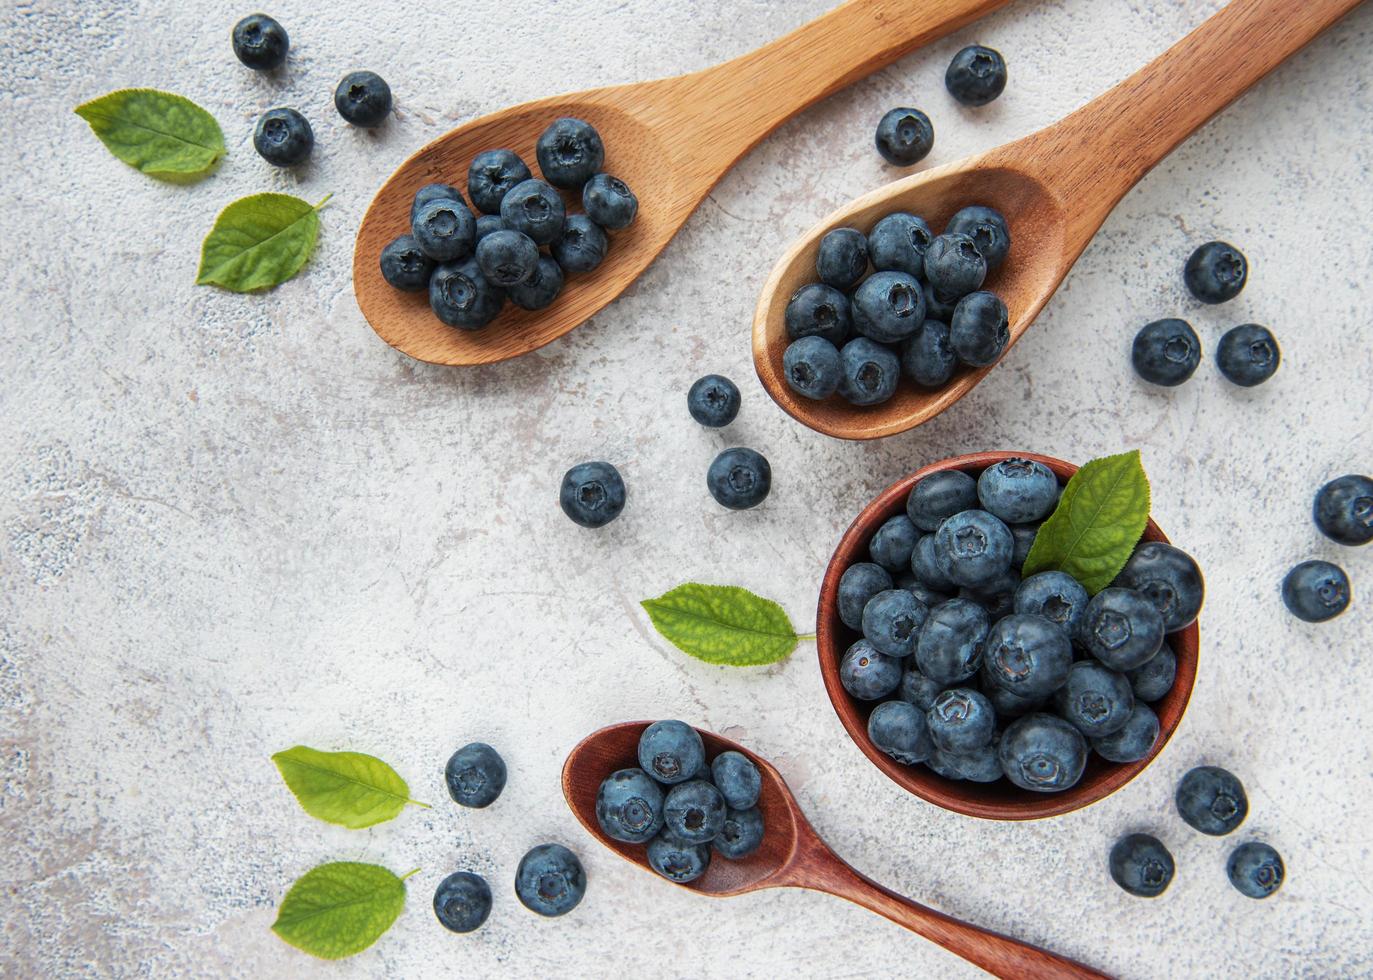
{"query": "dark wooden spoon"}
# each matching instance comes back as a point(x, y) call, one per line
point(794, 856)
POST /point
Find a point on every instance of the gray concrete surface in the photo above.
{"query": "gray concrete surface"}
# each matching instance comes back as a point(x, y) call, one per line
point(231, 524)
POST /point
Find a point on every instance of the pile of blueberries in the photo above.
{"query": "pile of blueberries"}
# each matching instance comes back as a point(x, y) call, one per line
point(921, 313)
point(472, 265)
point(981, 675)
point(549, 880)
point(1318, 590)
point(681, 805)
point(283, 136)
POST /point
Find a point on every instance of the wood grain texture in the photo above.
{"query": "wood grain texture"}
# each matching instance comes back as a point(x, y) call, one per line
point(671, 140)
point(1055, 187)
point(793, 855)
point(1000, 800)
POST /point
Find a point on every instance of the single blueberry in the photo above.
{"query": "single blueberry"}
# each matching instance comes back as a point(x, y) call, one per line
point(1043, 753)
point(842, 258)
point(988, 230)
point(704, 772)
point(1132, 741)
point(283, 137)
point(1095, 699)
point(462, 297)
point(550, 880)
point(1211, 800)
point(676, 860)
point(570, 153)
point(927, 356)
point(812, 367)
point(973, 548)
point(741, 834)
point(507, 258)
point(1018, 491)
point(1026, 655)
point(532, 207)
point(939, 306)
point(997, 596)
point(976, 75)
point(609, 202)
point(817, 310)
point(951, 643)
point(445, 230)
point(892, 621)
point(868, 675)
point(892, 545)
point(363, 98)
point(491, 175)
point(1215, 272)
point(1154, 678)
point(979, 330)
point(1248, 355)
point(961, 720)
point(1166, 352)
point(898, 243)
point(405, 266)
point(1256, 869)
point(1316, 591)
point(540, 289)
point(1056, 596)
point(671, 751)
point(739, 478)
point(870, 372)
point(1024, 535)
point(919, 690)
point(433, 192)
point(859, 583)
point(888, 307)
point(1169, 578)
point(475, 775)
point(260, 42)
point(938, 496)
point(693, 812)
point(904, 136)
point(592, 494)
point(1122, 628)
point(1009, 704)
point(629, 806)
point(900, 730)
point(979, 765)
point(582, 245)
point(713, 401)
point(954, 267)
point(1343, 510)
point(737, 778)
point(1141, 865)
point(925, 565)
point(489, 224)
point(462, 901)
point(943, 764)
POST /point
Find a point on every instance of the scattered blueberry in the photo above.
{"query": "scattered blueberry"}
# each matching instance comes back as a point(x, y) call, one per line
point(491, 175)
point(462, 297)
point(678, 861)
point(1122, 628)
point(842, 258)
point(671, 751)
point(953, 266)
point(462, 901)
point(741, 834)
point(859, 583)
point(927, 356)
point(540, 289)
point(1211, 800)
point(1095, 699)
point(405, 266)
point(973, 548)
point(592, 494)
point(988, 230)
point(739, 478)
point(550, 880)
point(283, 137)
point(713, 401)
point(869, 372)
point(938, 496)
point(475, 775)
point(891, 546)
point(1343, 510)
point(898, 243)
point(1215, 272)
point(363, 98)
point(609, 202)
point(1248, 355)
point(534, 208)
point(1316, 591)
point(1132, 741)
point(1056, 596)
point(1256, 869)
point(1042, 753)
point(900, 729)
point(961, 720)
point(1169, 578)
point(867, 674)
point(570, 153)
point(976, 76)
point(888, 307)
point(951, 642)
point(904, 136)
point(582, 245)
point(916, 689)
point(507, 258)
point(1141, 865)
point(629, 806)
point(1166, 352)
point(445, 230)
point(892, 621)
point(1154, 678)
point(260, 42)
point(737, 779)
point(693, 812)
point(817, 310)
point(812, 367)
point(1018, 490)
point(1027, 656)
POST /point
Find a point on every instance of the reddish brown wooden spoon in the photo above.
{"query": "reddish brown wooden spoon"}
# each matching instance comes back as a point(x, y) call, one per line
point(794, 856)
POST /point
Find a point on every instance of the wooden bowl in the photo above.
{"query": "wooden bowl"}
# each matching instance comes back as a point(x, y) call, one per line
point(1000, 800)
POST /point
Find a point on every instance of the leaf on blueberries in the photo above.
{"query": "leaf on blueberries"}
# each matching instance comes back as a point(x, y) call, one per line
point(1097, 523)
point(258, 242)
point(347, 788)
point(162, 134)
point(723, 624)
point(340, 908)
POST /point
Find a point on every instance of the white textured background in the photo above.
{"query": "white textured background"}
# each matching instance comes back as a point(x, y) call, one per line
point(230, 524)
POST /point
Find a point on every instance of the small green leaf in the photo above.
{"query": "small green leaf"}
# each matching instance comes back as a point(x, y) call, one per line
point(723, 624)
point(1097, 523)
point(162, 134)
point(259, 242)
point(346, 788)
point(339, 909)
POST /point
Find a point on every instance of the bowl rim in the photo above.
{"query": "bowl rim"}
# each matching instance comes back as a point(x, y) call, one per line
point(990, 801)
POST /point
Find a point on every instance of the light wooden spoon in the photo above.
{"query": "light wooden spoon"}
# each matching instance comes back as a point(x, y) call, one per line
point(1055, 188)
point(794, 856)
point(671, 140)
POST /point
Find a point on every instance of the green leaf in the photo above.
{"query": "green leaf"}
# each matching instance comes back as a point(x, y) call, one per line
point(1097, 523)
point(162, 134)
point(346, 788)
point(723, 624)
point(339, 909)
point(259, 242)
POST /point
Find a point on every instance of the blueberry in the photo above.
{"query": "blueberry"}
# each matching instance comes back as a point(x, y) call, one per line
point(943, 764)
point(741, 834)
point(953, 266)
point(996, 596)
point(1169, 578)
point(507, 258)
point(713, 401)
point(900, 730)
point(678, 861)
point(592, 494)
point(283, 137)
point(892, 621)
point(1316, 591)
point(842, 258)
point(489, 224)
point(888, 307)
point(1248, 355)
point(550, 880)
point(405, 266)
point(260, 42)
point(570, 153)
point(1166, 352)
point(462, 901)
point(817, 310)
point(1042, 753)
point(491, 175)
point(1056, 596)
point(462, 297)
point(917, 689)
point(1215, 272)
point(609, 202)
point(898, 243)
point(540, 289)
point(1095, 699)
point(938, 496)
point(445, 230)
point(812, 367)
point(939, 306)
point(1211, 800)
point(868, 675)
point(950, 646)
point(1018, 490)
point(976, 76)
point(904, 136)
point(475, 775)
point(927, 356)
point(582, 245)
point(961, 720)
point(892, 545)
point(870, 372)
point(973, 548)
point(671, 751)
point(737, 778)
point(1343, 510)
point(704, 772)
point(739, 479)
point(1024, 535)
point(988, 230)
point(1027, 655)
point(1011, 705)
point(1121, 628)
point(1132, 741)
point(629, 806)
point(1154, 678)
point(859, 583)
point(979, 765)
point(433, 192)
point(531, 206)
point(1141, 865)
point(363, 98)
point(1256, 869)
point(979, 330)
point(925, 566)
point(693, 812)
